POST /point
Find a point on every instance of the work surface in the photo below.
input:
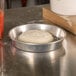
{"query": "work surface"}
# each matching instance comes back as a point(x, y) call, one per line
point(17, 63)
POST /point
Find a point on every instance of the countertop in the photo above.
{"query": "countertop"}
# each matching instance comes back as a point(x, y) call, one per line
point(15, 62)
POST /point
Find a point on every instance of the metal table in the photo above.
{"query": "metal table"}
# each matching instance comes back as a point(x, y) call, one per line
point(12, 63)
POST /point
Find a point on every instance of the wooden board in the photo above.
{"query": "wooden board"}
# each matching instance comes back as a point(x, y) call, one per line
point(66, 22)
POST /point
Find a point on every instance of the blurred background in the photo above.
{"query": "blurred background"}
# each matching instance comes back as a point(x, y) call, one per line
point(24, 3)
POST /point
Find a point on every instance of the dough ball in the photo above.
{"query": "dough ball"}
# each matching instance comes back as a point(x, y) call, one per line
point(36, 36)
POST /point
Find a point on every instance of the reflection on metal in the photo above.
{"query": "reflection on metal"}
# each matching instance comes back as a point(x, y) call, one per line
point(54, 55)
point(30, 58)
point(2, 64)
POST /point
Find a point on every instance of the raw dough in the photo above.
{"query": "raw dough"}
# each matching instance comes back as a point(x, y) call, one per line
point(36, 36)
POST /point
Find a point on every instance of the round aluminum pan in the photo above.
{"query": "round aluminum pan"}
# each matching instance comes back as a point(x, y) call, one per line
point(32, 47)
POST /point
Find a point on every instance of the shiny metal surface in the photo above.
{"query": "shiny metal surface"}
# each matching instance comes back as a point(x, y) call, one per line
point(35, 64)
point(31, 47)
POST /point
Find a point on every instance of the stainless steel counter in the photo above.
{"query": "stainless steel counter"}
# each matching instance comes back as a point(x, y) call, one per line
point(14, 62)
